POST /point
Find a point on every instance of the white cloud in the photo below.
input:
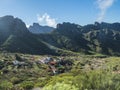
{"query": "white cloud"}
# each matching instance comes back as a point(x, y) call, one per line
point(45, 19)
point(27, 25)
point(103, 5)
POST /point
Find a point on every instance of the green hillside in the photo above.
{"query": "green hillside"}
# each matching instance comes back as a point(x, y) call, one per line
point(101, 38)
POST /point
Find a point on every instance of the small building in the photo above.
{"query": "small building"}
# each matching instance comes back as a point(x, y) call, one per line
point(16, 62)
point(47, 60)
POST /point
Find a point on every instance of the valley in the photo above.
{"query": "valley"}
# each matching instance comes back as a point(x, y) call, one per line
point(70, 57)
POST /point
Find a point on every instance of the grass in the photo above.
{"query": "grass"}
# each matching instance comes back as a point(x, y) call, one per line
point(88, 72)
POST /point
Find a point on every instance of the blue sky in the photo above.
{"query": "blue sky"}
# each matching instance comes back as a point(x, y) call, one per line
point(51, 12)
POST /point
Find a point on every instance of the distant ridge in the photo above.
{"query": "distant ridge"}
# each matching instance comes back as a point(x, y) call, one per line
point(37, 29)
point(103, 38)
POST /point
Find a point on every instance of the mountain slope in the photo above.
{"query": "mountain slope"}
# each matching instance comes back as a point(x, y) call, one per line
point(66, 38)
point(15, 37)
point(93, 38)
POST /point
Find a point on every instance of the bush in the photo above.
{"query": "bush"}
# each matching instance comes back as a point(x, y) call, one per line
point(15, 80)
point(60, 86)
point(5, 85)
point(91, 80)
point(27, 85)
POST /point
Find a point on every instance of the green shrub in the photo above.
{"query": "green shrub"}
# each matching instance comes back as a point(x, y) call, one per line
point(27, 85)
point(5, 85)
point(60, 86)
point(15, 80)
point(91, 80)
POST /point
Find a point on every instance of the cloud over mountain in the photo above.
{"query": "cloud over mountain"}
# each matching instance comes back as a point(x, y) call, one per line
point(46, 20)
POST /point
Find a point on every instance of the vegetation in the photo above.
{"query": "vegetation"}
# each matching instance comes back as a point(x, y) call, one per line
point(102, 38)
point(87, 72)
point(93, 80)
point(71, 57)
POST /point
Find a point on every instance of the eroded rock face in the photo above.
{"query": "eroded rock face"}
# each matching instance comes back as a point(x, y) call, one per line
point(37, 29)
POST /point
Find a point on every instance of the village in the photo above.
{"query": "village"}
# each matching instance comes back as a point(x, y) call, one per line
point(55, 66)
point(29, 71)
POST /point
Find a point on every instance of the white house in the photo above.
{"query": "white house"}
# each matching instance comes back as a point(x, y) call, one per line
point(16, 62)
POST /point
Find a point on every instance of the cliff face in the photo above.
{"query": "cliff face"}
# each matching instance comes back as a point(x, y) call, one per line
point(38, 29)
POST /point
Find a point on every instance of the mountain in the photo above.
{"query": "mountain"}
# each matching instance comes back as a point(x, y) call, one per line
point(90, 39)
point(67, 38)
point(11, 26)
point(37, 29)
point(15, 37)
